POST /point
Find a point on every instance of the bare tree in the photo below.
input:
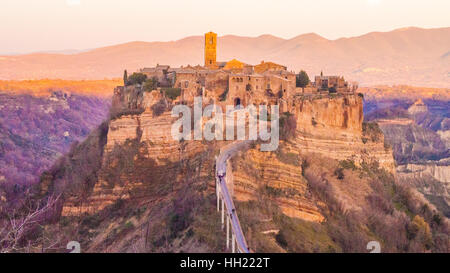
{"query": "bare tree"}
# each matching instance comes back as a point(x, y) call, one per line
point(18, 225)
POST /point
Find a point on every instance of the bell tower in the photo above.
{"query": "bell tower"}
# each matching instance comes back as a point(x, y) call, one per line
point(210, 49)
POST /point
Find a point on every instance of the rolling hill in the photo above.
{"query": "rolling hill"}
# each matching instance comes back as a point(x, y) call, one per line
point(411, 56)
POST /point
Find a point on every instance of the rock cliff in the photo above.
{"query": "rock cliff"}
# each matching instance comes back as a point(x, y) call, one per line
point(330, 126)
point(333, 126)
point(143, 141)
point(330, 182)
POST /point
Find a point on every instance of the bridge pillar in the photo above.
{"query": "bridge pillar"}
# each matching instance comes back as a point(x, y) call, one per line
point(223, 212)
point(228, 231)
point(218, 196)
point(233, 242)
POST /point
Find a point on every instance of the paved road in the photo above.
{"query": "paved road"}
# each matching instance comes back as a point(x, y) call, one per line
point(221, 166)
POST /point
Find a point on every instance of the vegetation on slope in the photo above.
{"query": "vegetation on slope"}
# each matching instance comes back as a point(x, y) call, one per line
point(35, 131)
point(360, 204)
point(418, 138)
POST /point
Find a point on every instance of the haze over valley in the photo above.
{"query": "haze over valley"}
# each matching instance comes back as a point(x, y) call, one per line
point(411, 56)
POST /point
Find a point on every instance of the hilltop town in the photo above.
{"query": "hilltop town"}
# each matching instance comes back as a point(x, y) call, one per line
point(132, 187)
point(234, 82)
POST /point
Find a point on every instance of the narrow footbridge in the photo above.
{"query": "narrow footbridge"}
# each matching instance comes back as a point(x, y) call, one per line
point(225, 200)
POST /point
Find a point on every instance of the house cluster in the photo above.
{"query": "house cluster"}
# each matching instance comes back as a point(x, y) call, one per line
point(237, 82)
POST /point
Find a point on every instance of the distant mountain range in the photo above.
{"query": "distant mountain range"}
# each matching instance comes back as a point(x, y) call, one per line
point(412, 56)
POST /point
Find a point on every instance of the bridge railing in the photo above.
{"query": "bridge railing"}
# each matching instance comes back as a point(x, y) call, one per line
point(225, 199)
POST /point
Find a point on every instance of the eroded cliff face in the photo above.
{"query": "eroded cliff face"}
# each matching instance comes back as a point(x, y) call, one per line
point(320, 190)
point(138, 147)
point(278, 176)
point(333, 127)
point(438, 172)
point(422, 156)
point(329, 126)
point(432, 179)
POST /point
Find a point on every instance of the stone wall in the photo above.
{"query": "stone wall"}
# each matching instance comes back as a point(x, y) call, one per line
point(190, 84)
point(216, 83)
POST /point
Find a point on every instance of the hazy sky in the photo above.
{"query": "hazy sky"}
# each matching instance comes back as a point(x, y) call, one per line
point(37, 25)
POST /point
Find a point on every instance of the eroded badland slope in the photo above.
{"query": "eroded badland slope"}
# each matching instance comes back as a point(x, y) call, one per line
point(331, 185)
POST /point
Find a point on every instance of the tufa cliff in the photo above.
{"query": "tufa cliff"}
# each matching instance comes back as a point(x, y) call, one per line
point(331, 186)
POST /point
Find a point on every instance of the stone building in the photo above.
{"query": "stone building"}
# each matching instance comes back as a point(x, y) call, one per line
point(329, 82)
point(210, 50)
point(234, 66)
point(162, 73)
point(237, 83)
point(269, 66)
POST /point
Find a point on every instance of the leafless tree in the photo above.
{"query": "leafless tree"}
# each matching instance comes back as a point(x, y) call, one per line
point(16, 226)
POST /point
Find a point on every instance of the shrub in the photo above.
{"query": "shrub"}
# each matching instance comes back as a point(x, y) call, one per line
point(178, 221)
point(118, 113)
point(281, 239)
point(348, 164)
point(274, 192)
point(151, 84)
point(288, 158)
point(136, 78)
point(91, 221)
point(288, 125)
point(127, 226)
point(339, 172)
point(224, 95)
point(302, 79)
point(420, 229)
point(171, 93)
point(372, 131)
point(323, 188)
point(159, 108)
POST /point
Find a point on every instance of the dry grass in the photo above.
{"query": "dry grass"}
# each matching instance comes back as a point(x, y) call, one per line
point(103, 88)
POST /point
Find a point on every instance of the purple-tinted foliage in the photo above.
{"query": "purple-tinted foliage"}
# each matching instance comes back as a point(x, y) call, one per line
point(35, 131)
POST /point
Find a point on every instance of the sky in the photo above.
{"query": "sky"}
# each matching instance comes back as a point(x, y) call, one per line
point(53, 25)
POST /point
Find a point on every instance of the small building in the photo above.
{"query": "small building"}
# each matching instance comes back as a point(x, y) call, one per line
point(234, 66)
point(337, 83)
point(269, 66)
point(161, 73)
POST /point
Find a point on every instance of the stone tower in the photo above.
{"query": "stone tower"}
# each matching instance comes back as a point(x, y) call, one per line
point(210, 49)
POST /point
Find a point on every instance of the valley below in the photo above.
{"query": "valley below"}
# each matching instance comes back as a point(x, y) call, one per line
point(335, 183)
point(349, 169)
point(416, 123)
point(39, 122)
